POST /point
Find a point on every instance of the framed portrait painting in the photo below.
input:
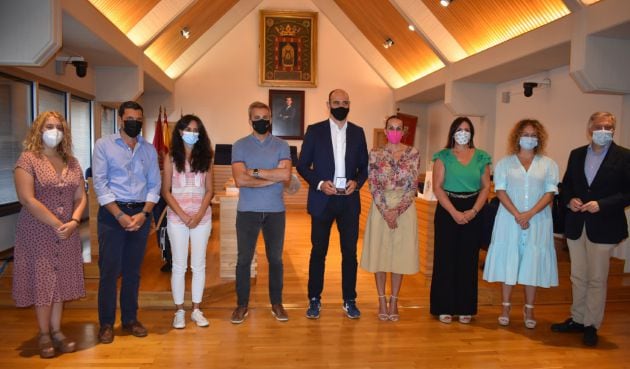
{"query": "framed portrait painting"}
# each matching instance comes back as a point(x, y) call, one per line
point(287, 114)
point(288, 48)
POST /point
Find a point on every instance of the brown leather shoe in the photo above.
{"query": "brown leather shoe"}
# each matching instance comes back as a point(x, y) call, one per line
point(106, 333)
point(277, 310)
point(239, 315)
point(135, 328)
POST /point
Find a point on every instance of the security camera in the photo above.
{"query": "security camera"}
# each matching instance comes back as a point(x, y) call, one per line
point(528, 88)
point(78, 62)
point(81, 67)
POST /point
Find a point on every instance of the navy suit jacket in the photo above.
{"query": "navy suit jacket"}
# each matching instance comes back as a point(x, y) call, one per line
point(317, 163)
point(610, 188)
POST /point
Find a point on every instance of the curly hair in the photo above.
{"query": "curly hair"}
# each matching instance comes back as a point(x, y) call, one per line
point(201, 155)
point(34, 142)
point(517, 131)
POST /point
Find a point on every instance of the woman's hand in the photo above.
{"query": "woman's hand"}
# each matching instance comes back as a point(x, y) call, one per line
point(522, 219)
point(459, 217)
point(194, 220)
point(65, 230)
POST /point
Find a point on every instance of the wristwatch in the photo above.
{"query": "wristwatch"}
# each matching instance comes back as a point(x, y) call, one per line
point(255, 173)
point(147, 214)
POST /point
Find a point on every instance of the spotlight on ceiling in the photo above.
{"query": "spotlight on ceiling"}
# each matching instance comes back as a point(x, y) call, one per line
point(411, 28)
point(185, 32)
point(445, 3)
point(388, 43)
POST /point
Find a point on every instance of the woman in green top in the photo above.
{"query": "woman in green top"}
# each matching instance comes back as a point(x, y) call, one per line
point(461, 183)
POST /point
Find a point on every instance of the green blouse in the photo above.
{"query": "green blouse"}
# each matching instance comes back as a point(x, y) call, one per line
point(459, 177)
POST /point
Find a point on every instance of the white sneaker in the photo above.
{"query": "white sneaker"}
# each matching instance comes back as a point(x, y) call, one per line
point(197, 317)
point(179, 321)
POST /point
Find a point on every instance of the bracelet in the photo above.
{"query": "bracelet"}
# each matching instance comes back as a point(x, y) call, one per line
point(475, 210)
point(76, 220)
point(119, 215)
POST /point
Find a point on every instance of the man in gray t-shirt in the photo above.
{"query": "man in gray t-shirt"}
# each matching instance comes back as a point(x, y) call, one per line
point(261, 164)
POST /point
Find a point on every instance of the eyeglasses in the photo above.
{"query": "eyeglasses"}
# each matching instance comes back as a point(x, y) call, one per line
point(337, 103)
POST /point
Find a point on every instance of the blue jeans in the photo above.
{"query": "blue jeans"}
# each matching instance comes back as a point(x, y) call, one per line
point(248, 226)
point(120, 254)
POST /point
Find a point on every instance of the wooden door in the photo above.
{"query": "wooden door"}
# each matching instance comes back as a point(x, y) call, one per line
point(409, 122)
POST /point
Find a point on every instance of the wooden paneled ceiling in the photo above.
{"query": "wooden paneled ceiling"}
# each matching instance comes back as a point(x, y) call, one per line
point(471, 26)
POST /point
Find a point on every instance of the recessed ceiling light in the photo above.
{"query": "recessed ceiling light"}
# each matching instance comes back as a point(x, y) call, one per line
point(411, 28)
point(445, 3)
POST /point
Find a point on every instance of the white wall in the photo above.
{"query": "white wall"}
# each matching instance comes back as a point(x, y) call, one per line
point(563, 109)
point(222, 84)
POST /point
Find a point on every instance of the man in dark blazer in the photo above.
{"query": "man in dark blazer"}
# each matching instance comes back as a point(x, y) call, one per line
point(334, 161)
point(596, 190)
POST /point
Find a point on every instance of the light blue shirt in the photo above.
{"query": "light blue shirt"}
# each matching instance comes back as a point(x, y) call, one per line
point(593, 162)
point(262, 155)
point(122, 174)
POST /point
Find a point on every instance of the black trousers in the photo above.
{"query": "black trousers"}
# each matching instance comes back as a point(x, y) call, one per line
point(345, 212)
point(455, 261)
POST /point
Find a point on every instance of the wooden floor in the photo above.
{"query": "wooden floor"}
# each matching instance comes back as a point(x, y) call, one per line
point(418, 340)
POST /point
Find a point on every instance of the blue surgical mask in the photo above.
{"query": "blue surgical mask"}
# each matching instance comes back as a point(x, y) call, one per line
point(190, 138)
point(528, 143)
point(602, 137)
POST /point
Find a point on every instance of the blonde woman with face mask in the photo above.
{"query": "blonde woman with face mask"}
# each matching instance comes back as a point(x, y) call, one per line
point(390, 244)
point(48, 267)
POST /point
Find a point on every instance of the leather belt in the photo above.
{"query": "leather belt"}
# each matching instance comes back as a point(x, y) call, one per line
point(462, 195)
point(130, 205)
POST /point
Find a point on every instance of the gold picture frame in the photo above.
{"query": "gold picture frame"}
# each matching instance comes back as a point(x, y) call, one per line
point(288, 49)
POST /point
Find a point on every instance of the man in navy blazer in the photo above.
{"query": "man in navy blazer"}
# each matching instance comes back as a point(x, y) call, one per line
point(596, 190)
point(334, 161)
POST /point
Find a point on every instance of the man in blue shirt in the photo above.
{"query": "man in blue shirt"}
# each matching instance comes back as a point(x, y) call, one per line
point(261, 163)
point(127, 185)
point(596, 191)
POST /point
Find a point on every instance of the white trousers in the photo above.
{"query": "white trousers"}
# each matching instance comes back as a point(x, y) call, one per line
point(180, 235)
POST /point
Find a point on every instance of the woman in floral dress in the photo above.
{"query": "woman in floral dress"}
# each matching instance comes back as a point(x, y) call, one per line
point(390, 243)
point(48, 266)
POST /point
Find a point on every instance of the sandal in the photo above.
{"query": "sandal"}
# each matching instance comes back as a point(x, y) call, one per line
point(382, 316)
point(45, 346)
point(529, 323)
point(63, 343)
point(445, 318)
point(505, 320)
point(465, 319)
point(393, 300)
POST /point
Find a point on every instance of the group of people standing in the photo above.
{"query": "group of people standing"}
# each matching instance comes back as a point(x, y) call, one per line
point(335, 163)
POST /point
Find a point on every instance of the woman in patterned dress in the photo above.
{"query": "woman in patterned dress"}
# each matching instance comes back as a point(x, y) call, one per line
point(187, 189)
point(390, 243)
point(48, 266)
point(522, 247)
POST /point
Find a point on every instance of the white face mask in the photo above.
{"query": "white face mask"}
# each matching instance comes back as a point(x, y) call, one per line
point(528, 143)
point(462, 137)
point(602, 137)
point(52, 137)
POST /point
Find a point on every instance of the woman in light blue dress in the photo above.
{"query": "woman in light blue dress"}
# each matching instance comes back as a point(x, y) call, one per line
point(522, 248)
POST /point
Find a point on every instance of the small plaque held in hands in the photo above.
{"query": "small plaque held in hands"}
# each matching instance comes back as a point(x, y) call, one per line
point(340, 185)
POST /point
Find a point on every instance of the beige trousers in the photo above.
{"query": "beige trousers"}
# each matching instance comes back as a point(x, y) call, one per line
point(589, 278)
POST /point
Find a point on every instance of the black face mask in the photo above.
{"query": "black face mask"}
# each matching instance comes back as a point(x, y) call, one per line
point(132, 127)
point(340, 113)
point(261, 126)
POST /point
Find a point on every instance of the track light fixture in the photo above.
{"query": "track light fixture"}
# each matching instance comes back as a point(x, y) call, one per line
point(388, 43)
point(185, 32)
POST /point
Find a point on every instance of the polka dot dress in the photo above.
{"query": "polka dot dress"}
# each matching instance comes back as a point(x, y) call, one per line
point(47, 269)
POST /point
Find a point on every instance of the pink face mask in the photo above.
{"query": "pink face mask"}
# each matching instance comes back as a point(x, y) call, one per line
point(394, 137)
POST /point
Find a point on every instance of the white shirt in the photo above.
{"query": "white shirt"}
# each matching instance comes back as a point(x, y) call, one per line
point(338, 136)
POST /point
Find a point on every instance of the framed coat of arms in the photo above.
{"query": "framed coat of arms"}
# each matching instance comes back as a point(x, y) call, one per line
point(288, 49)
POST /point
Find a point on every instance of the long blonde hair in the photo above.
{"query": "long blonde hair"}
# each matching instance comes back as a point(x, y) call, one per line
point(34, 143)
